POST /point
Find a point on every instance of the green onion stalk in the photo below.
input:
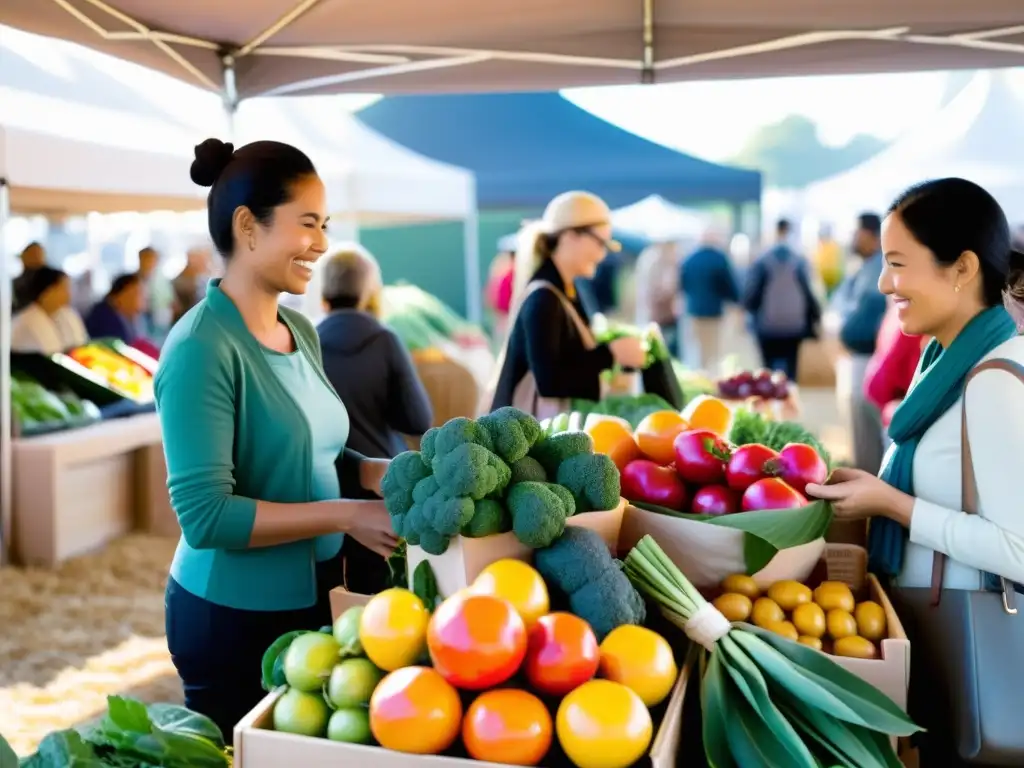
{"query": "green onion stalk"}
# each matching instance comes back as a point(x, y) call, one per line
point(766, 701)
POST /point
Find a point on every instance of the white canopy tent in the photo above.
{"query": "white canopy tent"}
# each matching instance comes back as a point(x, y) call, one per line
point(656, 219)
point(369, 178)
point(74, 140)
point(976, 135)
point(68, 147)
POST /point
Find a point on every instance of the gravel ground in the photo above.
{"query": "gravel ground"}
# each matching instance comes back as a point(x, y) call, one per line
point(73, 636)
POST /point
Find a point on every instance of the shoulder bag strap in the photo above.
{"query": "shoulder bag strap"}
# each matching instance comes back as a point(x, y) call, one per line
point(969, 486)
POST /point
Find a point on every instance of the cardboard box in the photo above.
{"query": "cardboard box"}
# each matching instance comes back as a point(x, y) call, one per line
point(890, 673)
point(258, 746)
point(459, 566)
point(706, 554)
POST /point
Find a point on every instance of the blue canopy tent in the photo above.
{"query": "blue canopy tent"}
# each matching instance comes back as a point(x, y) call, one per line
point(525, 148)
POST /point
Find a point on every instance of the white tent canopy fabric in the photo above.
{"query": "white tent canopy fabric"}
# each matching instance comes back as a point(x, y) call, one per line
point(74, 140)
point(975, 136)
point(366, 174)
point(658, 220)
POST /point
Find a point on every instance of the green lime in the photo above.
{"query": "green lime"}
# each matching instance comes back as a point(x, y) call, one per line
point(352, 683)
point(346, 631)
point(351, 725)
point(301, 713)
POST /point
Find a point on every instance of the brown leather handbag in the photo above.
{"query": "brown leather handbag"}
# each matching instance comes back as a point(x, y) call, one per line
point(968, 648)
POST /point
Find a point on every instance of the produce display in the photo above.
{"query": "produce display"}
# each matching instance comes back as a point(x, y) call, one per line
point(131, 734)
point(114, 371)
point(826, 618)
point(762, 383)
point(650, 338)
point(767, 700)
point(495, 474)
point(36, 409)
point(423, 321)
point(491, 672)
point(685, 462)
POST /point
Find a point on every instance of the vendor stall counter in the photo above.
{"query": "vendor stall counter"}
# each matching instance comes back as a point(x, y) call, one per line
point(76, 490)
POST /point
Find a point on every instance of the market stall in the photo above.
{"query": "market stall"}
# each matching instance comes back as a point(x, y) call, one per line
point(70, 144)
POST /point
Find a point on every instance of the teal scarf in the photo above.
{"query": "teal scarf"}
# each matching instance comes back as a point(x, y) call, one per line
point(937, 386)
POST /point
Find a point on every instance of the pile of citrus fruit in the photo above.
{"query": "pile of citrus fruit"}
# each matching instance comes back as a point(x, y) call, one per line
point(492, 673)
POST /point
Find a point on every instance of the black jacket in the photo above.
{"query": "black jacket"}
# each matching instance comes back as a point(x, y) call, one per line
point(374, 376)
point(544, 340)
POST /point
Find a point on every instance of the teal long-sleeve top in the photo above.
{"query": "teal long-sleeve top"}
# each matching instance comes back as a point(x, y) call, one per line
point(240, 425)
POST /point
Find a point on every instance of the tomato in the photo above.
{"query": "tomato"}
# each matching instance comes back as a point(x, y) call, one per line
point(562, 654)
point(603, 724)
point(393, 629)
point(715, 500)
point(748, 464)
point(771, 493)
point(518, 583)
point(700, 456)
point(641, 660)
point(654, 435)
point(415, 710)
point(799, 464)
point(476, 641)
point(507, 726)
point(643, 480)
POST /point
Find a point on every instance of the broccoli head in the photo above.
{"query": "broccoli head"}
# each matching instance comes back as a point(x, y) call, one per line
point(424, 489)
point(434, 543)
point(413, 524)
point(552, 451)
point(527, 468)
point(563, 493)
point(579, 567)
point(608, 601)
point(577, 557)
point(404, 471)
point(593, 480)
point(446, 514)
point(538, 513)
point(489, 519)
point(512, 432)
point(470, 470)
point(455, 432)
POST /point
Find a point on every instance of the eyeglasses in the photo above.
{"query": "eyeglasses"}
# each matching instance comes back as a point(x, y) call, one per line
point(609, 244)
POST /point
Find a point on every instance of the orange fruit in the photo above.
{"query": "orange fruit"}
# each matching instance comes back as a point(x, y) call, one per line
point(708, 412)
point(613, 438)
point(415, 710)
point(656, 433)
point(507, 726)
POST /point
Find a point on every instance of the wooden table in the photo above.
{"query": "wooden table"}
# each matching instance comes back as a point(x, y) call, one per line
point(77, 490)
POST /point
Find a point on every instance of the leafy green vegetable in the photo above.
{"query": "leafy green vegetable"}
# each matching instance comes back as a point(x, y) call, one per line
point(272, 657)
point(424, 585)
point(766, 531)
point(772, 701)
point(132, 735)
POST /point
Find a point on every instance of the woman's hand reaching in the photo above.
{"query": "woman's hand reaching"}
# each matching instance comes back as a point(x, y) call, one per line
point(628, 352)
point(856, 494)
point(369, 523)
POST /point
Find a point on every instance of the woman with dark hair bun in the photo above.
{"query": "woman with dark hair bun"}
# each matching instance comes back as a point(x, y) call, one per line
point(945, 512)
point(251, 430)
point(48, 323)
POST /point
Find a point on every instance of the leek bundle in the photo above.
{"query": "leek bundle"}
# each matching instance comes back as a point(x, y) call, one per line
point(768, 701)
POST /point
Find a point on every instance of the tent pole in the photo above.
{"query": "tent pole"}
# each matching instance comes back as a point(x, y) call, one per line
point(648, 71)
point(6, 426)
point(471, 239)
point(230, 94)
